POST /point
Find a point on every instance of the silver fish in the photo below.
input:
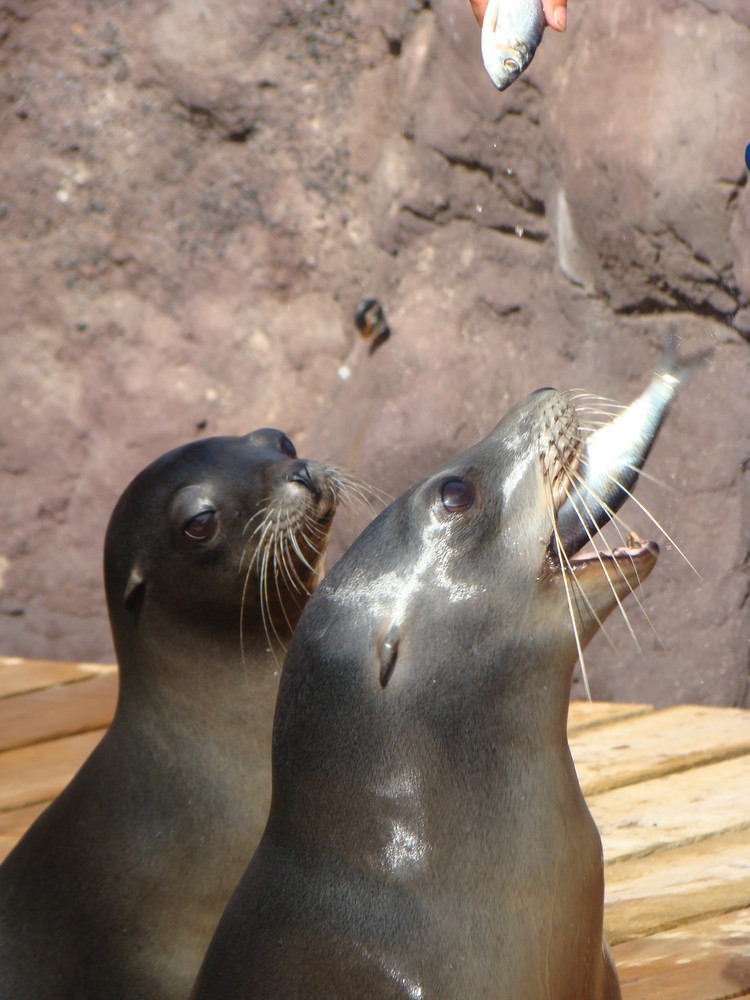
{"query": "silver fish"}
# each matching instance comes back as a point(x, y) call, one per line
point(612, 457)
point(511, 32)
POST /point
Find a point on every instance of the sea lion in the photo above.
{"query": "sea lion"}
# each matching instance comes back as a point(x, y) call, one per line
point(428, 837)
point(210, 555)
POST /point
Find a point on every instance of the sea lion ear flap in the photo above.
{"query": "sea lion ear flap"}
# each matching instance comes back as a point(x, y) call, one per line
point(387, 653)
point(133, 596)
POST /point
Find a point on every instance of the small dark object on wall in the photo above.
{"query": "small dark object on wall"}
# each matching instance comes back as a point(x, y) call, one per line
point(370, 320)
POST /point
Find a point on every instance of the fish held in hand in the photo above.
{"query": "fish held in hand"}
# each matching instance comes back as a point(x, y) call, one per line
point(511, 32)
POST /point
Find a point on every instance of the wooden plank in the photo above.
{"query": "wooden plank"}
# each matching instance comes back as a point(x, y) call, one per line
point(649, 894)
point(672, 810)
point(705, 960)
point(584, 715)
point(59, 710)
point(17, 675)
point(34, 774)
point(658, 743)
point(14, 824)
point(16, 821)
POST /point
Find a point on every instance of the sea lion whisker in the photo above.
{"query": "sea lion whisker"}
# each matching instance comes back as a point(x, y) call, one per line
point(262, 569)
point(605, 410)
point(569, 568)
point(593, 397)
point(254, 561)
point(348, 492)
point(287, 562)
point(278, 571)
point(247, 545)
point(315, 529)
point(656, 523)
point(265, 603)
point(564, 575)
point(360, 506)
point(300, 555)
point(353, 497)
point(262, 526)
point(652, 479)
point(264, 540)
point(242, 617)
point(294, 577)
point(285, 569)
point(318, 570)
point(346, 479)
point(596, 418)
point(284, 563)
point(620, 526)
point(585, 526)
point(259, 513)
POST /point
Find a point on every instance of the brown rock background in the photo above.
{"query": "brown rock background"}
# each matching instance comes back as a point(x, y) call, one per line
point(195, 195)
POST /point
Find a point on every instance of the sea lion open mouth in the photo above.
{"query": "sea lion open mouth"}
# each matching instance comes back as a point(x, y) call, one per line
point(562, 453)
point(588, 479)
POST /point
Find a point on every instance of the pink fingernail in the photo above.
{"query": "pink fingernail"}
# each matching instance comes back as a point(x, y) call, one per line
point(560, 16)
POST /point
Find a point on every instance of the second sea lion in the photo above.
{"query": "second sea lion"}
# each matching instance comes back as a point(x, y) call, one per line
point(210, 555)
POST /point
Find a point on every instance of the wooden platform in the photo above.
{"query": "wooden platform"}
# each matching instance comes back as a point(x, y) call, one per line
point(670, 791)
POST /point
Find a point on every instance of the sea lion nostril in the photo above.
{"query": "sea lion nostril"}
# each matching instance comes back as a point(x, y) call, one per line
point(301, 474)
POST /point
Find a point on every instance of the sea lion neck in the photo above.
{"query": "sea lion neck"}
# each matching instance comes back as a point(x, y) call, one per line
point(193, 667)
point(216, 694)
point(471, 709)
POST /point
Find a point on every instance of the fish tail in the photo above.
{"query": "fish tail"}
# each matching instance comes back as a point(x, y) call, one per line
point(676, 371)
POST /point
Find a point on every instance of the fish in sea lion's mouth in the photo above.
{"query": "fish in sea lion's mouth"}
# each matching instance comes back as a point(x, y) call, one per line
point(590, 478)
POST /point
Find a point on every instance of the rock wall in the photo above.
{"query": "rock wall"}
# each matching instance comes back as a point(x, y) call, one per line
point(195, 196)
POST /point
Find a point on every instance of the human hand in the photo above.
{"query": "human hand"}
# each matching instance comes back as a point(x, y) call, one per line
point(555, 12)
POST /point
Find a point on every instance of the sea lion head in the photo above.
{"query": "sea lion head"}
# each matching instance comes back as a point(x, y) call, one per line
point(454, 596)
point(474, 542)
point(214, 535)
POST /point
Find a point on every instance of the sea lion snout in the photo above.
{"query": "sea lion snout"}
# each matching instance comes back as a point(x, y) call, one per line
point(559, 446)
point(301, 474)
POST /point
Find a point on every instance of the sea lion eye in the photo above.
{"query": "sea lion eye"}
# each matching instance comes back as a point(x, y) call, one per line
point(457, 495)
point(201, 526)
point(287, 447)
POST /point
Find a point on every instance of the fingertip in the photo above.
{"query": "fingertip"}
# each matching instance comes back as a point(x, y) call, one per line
point(479, 7)
point(560, 18)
